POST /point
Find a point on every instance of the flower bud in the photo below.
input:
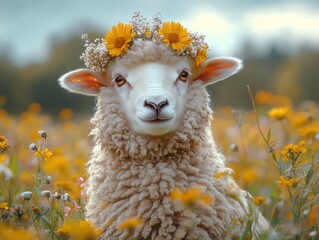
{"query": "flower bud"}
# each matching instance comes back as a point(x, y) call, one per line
point(46, 193)
point(26, 195)
point(43, 134)
point(33, 147)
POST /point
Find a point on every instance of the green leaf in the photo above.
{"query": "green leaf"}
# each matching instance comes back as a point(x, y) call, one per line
point(269, 135)
point(310, 172)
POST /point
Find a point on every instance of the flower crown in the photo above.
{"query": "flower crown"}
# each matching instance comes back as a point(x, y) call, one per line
point(117, 42)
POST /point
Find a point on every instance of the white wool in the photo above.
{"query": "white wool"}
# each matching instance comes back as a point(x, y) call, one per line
point(132, 175)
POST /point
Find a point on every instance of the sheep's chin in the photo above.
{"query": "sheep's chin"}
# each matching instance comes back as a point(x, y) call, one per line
point(155, 127)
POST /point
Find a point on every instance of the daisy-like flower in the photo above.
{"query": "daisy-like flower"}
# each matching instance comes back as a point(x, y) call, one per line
point(4, 206)
point(190, 196)
point(4, 144)
point(279, 113)
point(175, 34)
point(130, 223)
point(118, 40)
point(201, 56)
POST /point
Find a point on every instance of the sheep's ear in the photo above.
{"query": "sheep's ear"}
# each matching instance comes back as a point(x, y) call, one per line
point(83, 81)
point(217, 69)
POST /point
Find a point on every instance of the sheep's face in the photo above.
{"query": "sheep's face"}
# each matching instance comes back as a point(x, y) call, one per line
point(152, 85)
point(153, 94)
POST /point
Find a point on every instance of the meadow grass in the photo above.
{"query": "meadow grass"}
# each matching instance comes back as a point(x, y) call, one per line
point(273, 150)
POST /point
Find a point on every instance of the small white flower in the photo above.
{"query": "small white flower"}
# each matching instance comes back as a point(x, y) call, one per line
point(26, 195)
point(33, 147)
point(56, 195)
point(65, 197)
point(46, 193)
point(43, 134)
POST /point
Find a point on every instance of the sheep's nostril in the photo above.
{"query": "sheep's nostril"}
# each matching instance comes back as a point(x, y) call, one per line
point(155, 106)
point(162, 104)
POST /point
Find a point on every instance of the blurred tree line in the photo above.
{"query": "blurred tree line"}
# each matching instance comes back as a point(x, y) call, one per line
point(294, 76)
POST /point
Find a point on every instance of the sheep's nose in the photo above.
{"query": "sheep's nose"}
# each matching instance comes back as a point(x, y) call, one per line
point(156, 106)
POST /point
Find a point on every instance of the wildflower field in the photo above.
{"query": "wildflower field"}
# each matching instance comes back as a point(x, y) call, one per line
point(273, 150)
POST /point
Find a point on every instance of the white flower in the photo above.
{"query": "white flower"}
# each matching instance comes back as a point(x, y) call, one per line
point(46, 193)
point(33, 147)
point(26, 195)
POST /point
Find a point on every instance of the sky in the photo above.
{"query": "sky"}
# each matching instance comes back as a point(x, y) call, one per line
point(29, 27)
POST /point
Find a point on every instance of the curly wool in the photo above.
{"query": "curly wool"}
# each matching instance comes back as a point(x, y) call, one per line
point(132, 175)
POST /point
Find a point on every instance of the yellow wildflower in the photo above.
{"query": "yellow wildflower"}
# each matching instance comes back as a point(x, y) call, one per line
point(35, 210)
point(82, 230)
point(225, 172)
point(249, 175)
point(201, 56)
point(35, 108)
point(4, 206)
point(259, 200)
point(190, 196)
point(220, 174)
point(267, 98)
point(175, 34)
point(288, 183)
point(310, 130)
point(8, 233)
point(279, 113)
point(130, 223)
point(66, 185)
point(118, 40)
point(4, 144)
point(46, 154)
point(292, 152)
point(3, 157)
point(66, 114)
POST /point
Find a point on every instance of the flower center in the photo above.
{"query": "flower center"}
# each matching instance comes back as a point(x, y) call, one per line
point(173, 37)
point(119, 42)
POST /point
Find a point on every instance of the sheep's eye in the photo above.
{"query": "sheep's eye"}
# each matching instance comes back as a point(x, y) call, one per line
point(120, 81)
point(183, 76)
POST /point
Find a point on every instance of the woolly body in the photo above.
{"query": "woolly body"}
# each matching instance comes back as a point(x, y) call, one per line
point(131, 172)
point(132, 175)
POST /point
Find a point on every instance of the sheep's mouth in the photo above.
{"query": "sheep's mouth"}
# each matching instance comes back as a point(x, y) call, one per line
point(156, 120)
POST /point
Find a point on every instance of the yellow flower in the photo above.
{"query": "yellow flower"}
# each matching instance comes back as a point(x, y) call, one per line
point(66, 114)
point(3, 157)
point(190, 196)
point(4, 144)
point(130, 223)
point(4, 206)
point(82, 230)
point(279, 113)
point(201, 56)
point(118, 40)
point(310, 130)
point(259, 200)
point(66, 185)
point(292, 152)
point(249, 175)
point(288, 183)
point(9, 233)
point(46, 154)
point(175, 34)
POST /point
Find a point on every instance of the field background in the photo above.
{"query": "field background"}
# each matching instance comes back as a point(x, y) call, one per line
point(282, 71)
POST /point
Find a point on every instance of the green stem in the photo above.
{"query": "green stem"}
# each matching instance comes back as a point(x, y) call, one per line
point(30, 213)
point(270, 148)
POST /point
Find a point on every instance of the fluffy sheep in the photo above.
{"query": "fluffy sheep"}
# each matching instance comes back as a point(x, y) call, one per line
point(152, 134)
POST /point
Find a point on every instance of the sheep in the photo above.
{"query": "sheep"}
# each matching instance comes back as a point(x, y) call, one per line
point(152, 134)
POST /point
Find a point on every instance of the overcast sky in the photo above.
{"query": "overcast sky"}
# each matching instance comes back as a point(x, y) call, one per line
point(27, 27)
